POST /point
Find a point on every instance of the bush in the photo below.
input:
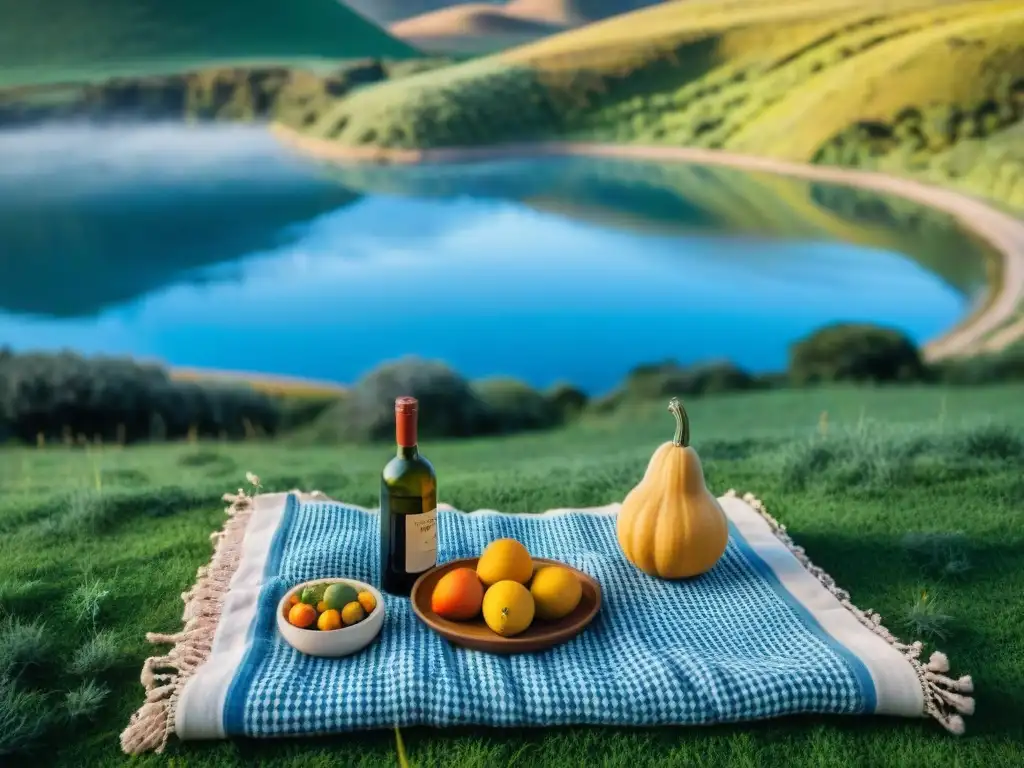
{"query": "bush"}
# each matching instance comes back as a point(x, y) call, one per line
point(62, 396)
point(855, 352)
point(514, 405)
point(448, 405)
point(983, 369)
point(567, 400)
point(654, 381)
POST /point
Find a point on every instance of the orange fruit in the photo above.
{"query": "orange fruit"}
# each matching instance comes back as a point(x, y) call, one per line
point(367, 600)
point(321, 606)
point(329, 620)
point(458, 595)
point(294, 599)
point(302, 615)
point(352, 613)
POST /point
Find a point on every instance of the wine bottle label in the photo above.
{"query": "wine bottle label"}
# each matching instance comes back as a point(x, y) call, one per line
point(420, 541)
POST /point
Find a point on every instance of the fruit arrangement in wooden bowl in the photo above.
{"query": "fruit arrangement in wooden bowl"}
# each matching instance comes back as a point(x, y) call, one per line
point(506, 601)
point(330, 617)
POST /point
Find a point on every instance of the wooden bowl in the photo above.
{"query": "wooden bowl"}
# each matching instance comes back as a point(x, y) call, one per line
point(477, 635)
point(336, 642)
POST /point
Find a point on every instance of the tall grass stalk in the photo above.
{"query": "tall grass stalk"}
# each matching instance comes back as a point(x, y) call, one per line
point(403, 759)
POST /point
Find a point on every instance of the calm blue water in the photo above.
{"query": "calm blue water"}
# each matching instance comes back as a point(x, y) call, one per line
point(209, 247)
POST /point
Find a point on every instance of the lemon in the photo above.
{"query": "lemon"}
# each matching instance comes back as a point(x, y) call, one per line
point(352, 613)
point(508, 608)
point(504, 559)
point(556, 592)
point(329, 619)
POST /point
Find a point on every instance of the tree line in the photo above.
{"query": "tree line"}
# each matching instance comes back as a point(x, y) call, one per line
point(69, 398)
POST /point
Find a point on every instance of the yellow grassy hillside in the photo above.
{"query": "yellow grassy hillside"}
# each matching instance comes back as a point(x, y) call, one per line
point(853, 82)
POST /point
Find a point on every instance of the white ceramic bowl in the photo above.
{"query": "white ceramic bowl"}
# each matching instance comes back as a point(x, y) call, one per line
point(335, 642)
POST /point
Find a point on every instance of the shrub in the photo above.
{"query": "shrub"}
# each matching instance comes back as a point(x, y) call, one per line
point(855, 352)
point(62, 396)
point(514, 405)
point(448, 405)
point(666, 379)
point(567, 400)
point(982, 369)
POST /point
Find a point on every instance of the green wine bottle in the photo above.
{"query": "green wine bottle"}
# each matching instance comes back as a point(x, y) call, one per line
point(408, 508)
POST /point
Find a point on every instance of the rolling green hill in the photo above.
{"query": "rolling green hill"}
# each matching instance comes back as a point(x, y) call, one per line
point(827, 81)
point(46, 41)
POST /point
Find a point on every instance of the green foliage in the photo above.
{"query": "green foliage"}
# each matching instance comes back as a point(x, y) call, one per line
point(125, 37)
point(514, 406)
point(986, 368)
point(241, 93)
point(25, 716)
point(66, 397)
point(22, 645)
point(448, 405)
point(926, 616)
point(657, 381)
point(567, 400)
point(84, 702)
point(855, 352)
point(100, 653)
point(86, 602)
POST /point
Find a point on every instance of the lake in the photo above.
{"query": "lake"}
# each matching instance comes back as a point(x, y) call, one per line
point(213, 247)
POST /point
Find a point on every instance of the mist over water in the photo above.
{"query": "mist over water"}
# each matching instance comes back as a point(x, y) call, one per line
point(211, 246)
point(84, 159)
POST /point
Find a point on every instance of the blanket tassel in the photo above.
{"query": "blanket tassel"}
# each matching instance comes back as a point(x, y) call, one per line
point(164, 677)
point(944, 697)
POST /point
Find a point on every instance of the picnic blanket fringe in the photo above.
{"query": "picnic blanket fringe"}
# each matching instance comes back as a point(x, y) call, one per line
point(945, 699)
point(164, 677)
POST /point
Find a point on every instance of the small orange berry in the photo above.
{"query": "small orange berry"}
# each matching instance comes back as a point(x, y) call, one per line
point(302, 615)
point(329, 620)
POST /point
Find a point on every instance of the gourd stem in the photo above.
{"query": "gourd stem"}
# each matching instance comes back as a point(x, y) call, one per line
point(682, 436)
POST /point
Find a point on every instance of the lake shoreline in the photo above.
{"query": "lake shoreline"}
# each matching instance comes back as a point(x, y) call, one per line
point(990, 329)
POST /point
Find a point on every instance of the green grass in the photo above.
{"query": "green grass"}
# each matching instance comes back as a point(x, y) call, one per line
point(48, 41)
point(898, 493)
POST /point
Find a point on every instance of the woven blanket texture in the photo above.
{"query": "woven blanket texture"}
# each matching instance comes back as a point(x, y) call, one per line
point(733, 644)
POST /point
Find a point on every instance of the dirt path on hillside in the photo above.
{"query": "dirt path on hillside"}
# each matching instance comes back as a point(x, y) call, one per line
point(1002, 231)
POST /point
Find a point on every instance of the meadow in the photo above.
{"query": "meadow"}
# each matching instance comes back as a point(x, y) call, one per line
point(908, 496)
point(895, 85)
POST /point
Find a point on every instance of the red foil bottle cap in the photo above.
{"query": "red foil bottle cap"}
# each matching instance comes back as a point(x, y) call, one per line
point(405, 421)
point(406, 405)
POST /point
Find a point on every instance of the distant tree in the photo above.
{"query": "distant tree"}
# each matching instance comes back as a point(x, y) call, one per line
point(855, 352)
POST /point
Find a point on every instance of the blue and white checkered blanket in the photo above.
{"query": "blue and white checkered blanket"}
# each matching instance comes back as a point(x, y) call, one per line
point(759, 636)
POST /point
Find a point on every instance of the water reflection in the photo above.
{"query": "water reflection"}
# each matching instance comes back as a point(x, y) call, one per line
point(329, 289)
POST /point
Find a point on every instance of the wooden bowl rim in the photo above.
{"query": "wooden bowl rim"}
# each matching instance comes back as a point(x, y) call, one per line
point(555, 637)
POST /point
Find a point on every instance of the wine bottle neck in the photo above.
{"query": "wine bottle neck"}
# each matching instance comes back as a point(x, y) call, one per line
point(405, 424)
point(408, 451)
